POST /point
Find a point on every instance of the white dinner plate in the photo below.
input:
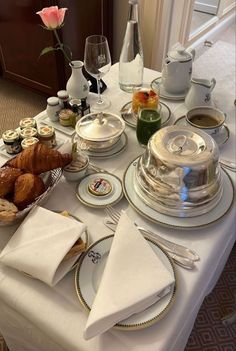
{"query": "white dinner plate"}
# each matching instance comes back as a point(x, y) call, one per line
point(66, 130)
point(220, 138)
point(156, 85)
point(91, 200)
point(183, 223)
point(88, 276)
point(116, 149)
point(129, 118)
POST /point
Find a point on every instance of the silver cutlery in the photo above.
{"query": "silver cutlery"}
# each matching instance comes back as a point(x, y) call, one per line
point(179, 260)
point(182, 261)
point(168, 245)
point(228, 164)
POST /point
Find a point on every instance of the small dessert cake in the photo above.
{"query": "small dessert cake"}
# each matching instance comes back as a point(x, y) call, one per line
point(144, 98)
point(99, 187)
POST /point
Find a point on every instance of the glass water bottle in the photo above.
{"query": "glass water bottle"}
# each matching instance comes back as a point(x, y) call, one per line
point(131, 58)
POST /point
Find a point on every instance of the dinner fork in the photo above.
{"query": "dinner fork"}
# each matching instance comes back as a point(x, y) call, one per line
point(179, 260)
point(166, 244)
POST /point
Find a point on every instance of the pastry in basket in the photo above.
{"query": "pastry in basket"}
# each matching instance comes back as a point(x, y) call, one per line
point(27, 188)
point(8, 177)
point(79, 245)
point(8, 210)
point(39, 158)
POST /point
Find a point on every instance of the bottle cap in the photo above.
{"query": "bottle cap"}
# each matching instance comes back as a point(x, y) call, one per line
point(133, 2)
point(62, 94)
point(53, 101)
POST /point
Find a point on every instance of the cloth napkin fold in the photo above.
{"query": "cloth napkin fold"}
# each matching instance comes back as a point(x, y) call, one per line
point(133, 279)
point(40, 243)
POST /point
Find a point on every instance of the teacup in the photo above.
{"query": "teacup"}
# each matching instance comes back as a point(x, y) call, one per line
point(206, 118)
point(77, 168)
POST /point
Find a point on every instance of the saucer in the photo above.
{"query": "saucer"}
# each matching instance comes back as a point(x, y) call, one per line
point(156, 85)
point(220, 138)
point(99, 200)
point(129, 118)
point(114, 150)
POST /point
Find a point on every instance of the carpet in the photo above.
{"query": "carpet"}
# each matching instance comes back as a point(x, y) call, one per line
point(17, 103)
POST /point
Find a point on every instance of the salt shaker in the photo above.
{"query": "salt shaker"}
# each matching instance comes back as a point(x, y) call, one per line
point(53, 108)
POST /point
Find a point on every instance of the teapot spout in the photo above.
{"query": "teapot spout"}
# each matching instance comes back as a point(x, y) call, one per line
point(192, 52)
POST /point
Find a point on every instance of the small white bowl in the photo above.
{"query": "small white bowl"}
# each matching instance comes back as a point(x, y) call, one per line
point(77, 168)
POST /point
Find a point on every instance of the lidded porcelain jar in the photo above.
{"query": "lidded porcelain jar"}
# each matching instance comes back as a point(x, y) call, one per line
point(179, 173)
point(47, 136)
point(28, 132)
point(27, 122)
point(100, 130)
point(11, 139)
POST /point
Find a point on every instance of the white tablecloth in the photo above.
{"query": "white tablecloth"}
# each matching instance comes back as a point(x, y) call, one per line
point(36, 317)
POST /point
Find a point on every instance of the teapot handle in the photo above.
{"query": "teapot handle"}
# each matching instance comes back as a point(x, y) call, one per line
point(213, 83)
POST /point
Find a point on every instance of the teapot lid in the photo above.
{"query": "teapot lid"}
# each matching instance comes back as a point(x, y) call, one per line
point(180, 55)
point(100, 126)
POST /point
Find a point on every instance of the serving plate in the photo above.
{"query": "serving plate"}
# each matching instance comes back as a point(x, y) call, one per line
point(116, 149)
point(156, 85)
point(129, 118)
point(66, 130)
point(176, 222)
point(88, 276)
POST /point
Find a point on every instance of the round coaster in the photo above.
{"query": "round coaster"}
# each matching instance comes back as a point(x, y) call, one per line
point(99, 190)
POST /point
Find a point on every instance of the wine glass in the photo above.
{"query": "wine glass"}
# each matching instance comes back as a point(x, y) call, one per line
point(97, 62)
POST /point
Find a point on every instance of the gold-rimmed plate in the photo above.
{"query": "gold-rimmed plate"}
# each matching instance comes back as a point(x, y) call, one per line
point(89, 272)
point(146, 210)
point(99, 201)
point(220, 138)
point(129, 118)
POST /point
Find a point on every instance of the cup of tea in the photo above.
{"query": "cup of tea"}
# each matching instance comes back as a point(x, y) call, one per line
point(206, 118)
point(148, 122)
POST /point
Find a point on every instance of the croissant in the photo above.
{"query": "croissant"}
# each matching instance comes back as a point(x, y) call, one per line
point(8, 177)
point(27, 187)
point(39, 158)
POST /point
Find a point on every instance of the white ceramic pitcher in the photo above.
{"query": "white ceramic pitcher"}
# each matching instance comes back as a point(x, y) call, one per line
point(199, 93)
point(177, 70)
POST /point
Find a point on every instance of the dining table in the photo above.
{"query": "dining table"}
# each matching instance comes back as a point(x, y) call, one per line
point(38, 317)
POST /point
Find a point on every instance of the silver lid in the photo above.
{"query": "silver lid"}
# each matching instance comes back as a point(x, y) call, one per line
point(100, 127)
point(183, 145)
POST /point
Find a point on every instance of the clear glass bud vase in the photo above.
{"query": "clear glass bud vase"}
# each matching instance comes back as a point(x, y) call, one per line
point(77, 85)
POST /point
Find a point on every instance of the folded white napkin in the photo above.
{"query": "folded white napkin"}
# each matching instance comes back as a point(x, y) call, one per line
point(40, 243)
point(133, 279)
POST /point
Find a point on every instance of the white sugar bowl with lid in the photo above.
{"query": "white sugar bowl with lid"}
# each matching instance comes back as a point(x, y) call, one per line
point(100, 130)
point(177, 70)
point(179, 173)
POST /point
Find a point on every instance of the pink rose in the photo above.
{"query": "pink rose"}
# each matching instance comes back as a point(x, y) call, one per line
point(52, 17)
